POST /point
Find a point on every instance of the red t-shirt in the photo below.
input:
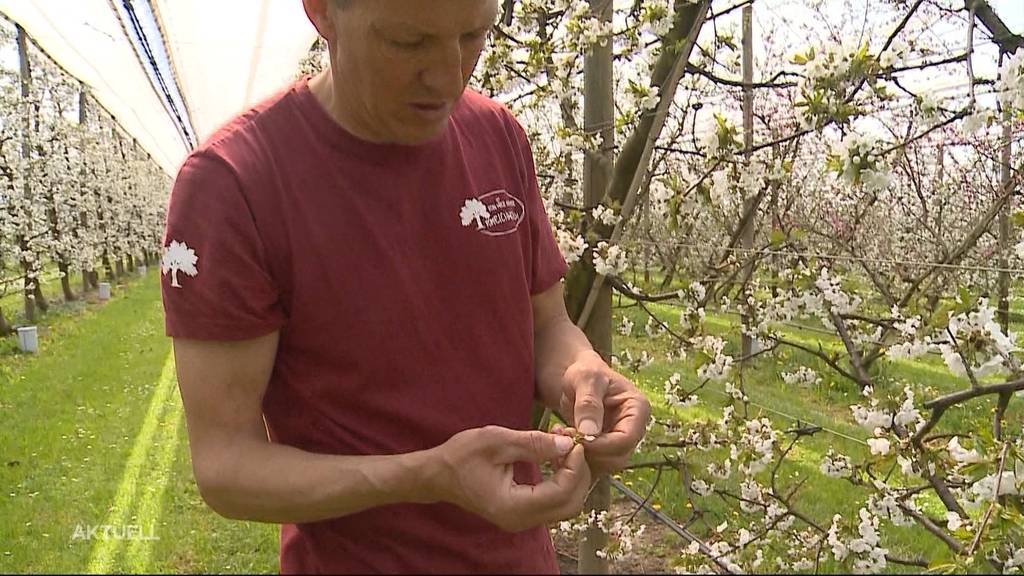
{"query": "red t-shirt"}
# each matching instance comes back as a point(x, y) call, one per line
point(400, 280)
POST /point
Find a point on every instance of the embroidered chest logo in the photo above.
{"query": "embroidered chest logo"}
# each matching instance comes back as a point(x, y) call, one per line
point(494, 214)
point(178, 257)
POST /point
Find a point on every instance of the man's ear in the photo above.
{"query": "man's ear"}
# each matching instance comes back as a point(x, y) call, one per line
point(320, 14)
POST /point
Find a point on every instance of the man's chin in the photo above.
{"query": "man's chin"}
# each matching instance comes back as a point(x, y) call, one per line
point(416, 136)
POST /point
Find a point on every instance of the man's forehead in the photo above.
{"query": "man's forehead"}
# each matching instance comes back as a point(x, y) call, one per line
point(434, 16)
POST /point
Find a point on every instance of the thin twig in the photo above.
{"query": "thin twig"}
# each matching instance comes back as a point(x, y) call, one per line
point(995, 502)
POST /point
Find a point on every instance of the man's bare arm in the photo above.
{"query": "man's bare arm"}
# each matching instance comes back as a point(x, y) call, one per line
point(242, 475)
point(558, 344)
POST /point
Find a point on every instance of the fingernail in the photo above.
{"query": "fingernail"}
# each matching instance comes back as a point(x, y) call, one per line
point(588, 428)
point(564, 444)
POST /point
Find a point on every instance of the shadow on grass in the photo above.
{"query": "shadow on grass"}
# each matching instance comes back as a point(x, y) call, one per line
point(76, 410)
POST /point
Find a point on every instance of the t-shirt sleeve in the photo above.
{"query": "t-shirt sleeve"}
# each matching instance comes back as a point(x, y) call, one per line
point(547, 264)
point(215, 281)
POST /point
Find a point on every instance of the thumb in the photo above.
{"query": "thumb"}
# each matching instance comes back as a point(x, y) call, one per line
point(588, 410)
point(534, 446)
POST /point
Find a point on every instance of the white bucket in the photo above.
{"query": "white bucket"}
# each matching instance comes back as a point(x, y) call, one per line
point(28, 339)
point(104, 290)
point(142, 270)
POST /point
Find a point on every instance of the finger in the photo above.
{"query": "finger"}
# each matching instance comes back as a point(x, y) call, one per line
point(623, 437)
point(569, 433)
point(628, 413)
point(574, 505)
point(532, 446)
point(565, 406)
point(605, 461)
point(608, 446)
point(611, 443)
point(612, 450)
point(588, 409)
point(551, 497)
point(560, 463)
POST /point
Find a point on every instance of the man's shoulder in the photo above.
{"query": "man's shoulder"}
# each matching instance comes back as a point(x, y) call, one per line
point(239, 142)
point(473, 100)
point(474, 106)
point(477, 111)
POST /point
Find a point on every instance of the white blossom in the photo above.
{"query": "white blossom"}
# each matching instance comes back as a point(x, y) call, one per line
point(836, 465)
point(720, 365)
point(626, 327)
point(953, 521)
point(610, 260)
point(985, 490)
point(803, 376)
point(606, 215)
point(572, 248)
point(701, 487)
point(1010, 83)
point(879, 446)
point(960, 454)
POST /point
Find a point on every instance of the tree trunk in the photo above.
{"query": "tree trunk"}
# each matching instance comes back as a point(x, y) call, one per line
point(30, 304)
point(108, 267)
point(5, 326)
point(634, 156)
point(119, 265)
point(647, 268)
point(65, 281)
point(670, 272)
point(41, 302)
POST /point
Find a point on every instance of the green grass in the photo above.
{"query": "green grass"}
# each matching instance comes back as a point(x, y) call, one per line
point(96, 437)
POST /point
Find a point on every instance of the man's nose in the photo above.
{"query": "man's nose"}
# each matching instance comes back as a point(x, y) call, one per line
point(443, 74)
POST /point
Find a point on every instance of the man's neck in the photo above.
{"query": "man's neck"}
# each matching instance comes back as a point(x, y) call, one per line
point(323, 89)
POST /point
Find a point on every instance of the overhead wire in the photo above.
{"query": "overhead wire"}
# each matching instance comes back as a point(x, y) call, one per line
point(822, 256)
point(155, 69)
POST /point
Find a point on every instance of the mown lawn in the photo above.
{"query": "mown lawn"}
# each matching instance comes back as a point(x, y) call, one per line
point(95, 437)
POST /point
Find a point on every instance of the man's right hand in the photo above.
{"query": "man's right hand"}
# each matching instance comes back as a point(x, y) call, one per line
point(476, 474)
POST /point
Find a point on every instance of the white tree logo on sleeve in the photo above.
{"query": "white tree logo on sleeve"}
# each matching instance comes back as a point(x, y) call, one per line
point(178, 257)
point(474, 209)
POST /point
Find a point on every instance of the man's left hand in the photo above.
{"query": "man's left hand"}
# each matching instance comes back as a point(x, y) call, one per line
point(603, 404)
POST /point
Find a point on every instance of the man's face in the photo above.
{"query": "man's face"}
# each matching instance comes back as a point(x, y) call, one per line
point(401, 65)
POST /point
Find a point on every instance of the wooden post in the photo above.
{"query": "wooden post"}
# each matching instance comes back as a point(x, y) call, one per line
point(1005, 245)
point(748, 146)
point(599, 118)
point(83, 217)
point(26, 154)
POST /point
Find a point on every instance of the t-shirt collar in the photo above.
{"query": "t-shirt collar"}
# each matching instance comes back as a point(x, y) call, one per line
point(340, 138)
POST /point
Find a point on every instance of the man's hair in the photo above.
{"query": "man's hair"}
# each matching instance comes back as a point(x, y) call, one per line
point(341, 4)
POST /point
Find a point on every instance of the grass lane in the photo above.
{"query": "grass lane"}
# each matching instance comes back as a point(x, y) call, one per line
point(96, 437)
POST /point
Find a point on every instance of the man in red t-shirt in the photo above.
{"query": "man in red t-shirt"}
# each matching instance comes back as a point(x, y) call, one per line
point(364, 294)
